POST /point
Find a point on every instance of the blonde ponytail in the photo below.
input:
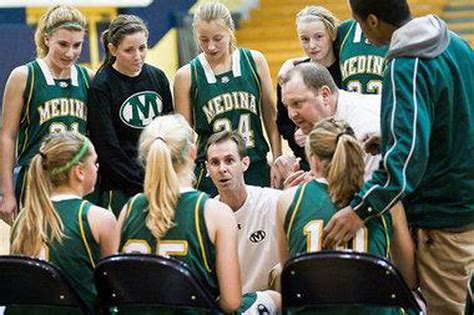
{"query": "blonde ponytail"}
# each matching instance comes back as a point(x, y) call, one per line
point(342, 157)
point(161, 188)
point(38, 222)
point(38, 213)
point(164, 148)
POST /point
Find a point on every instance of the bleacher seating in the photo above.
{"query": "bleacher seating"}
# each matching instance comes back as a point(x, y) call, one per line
point(272, 30)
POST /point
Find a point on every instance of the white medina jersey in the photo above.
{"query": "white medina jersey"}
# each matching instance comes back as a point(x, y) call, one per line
point(257, 243)
point(362, 113)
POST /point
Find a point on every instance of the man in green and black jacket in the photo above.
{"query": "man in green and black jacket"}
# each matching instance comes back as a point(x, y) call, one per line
point(427, 144)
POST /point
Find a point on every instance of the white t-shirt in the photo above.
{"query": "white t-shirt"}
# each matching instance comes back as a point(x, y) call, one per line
point(362, 113)
point(257, 243)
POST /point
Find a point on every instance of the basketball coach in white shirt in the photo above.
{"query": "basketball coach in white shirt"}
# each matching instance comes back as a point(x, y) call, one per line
point(254, 208)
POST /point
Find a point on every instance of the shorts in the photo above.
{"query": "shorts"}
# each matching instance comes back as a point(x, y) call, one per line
point(20, 176)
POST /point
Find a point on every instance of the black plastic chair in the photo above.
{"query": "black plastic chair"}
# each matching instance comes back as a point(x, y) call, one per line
point(149, 280)
point(334, 278)
point(26, 281)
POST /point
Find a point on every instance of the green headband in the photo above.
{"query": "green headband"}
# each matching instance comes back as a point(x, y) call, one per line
point(75, 159)
point(51, 29)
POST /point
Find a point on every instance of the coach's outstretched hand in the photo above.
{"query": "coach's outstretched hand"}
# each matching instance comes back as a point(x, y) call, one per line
point(371, 143)
point(300, 137)
point(341, 228)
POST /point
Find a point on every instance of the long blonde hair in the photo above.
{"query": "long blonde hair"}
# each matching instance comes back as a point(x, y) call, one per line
point(48, 169)
point(342, 157)
point(164, 149)
point(58, 16)
point(317, 13)
point(216, 11)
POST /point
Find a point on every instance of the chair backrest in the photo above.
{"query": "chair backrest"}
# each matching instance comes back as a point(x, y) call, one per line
point(335, 278)
point(31, 281)
point(137, 279)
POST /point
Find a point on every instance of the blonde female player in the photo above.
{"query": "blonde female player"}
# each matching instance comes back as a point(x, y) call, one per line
point(172, 218)
point(317, 30)
point(226, 87)
point(45, 96)
point(57, 224)
point(337, 160)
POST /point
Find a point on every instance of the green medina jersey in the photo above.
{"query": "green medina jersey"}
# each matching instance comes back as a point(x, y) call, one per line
point(79, 252)
point(187, 240)
point(312, 208)
point(75, 255)
point(228, 101)
point(362, 63)
point(50, 106)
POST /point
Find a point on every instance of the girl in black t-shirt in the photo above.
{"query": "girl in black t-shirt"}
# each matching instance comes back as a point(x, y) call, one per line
point(125, 96)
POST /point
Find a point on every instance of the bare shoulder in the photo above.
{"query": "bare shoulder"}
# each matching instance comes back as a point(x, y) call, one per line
point(289, 192)
point(15, 86)
point(285, 199)
point(258, 57)
point(101, 214)
point(19, 74)
point(219, 219)
point(183, 72)
point(90, 72)
point(218, 210)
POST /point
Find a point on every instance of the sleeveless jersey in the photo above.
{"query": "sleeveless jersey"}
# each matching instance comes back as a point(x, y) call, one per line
point(79, 252)
point(50, 106)
point(362, 63)
point(310, 211)
point(230, 101)
point(187, 240)
point(76, 255)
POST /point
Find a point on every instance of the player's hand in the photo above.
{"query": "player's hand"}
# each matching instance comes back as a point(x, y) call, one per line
point(287, 66)
point(286, 165)
point(8, 208)
point(275, 176)
point(300, 137)
point(341, 228)
point(371, 143)
point(297, 178)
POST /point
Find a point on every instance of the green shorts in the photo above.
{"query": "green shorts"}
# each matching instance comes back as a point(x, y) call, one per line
point(20, 181)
